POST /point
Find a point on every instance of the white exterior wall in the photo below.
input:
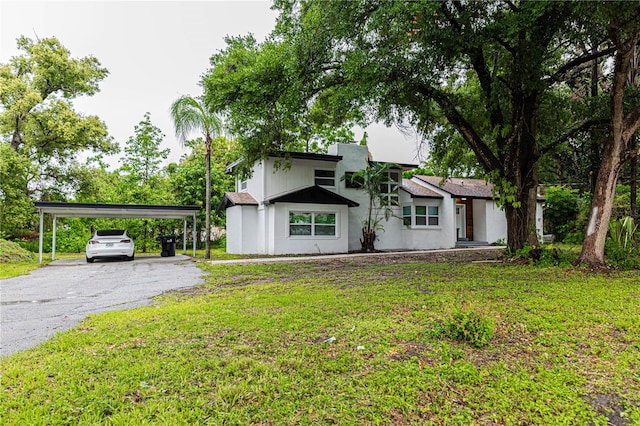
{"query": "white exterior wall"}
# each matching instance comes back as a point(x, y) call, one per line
point(282, 243)
point(300, 175)
point(391, 237)
point(479, 220)
point(424, 237)
point(354, 158)
point(241, 230)
point(539, 224)
point(429, 237)
point(264, 229)
point(496, 223)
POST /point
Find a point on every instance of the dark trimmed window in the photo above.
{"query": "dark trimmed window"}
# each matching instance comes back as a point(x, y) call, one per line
point(325, 177)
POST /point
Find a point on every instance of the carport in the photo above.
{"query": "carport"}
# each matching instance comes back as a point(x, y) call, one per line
point(62, 209)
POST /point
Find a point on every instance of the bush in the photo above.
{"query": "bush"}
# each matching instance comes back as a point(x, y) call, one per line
point(561, 208)
point(621, 248)
point(467, 326)
point(545, 255)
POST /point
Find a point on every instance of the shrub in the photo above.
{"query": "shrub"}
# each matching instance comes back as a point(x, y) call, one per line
point(621, 247)
point(545, 255)
point(466, 326)
point(561, 208)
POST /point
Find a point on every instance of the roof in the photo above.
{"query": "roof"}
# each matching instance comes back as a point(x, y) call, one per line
point(231, 199)
point(461, 187)
point(418, 191)
point(64, 209)
point(312, 195)
point(289, 154)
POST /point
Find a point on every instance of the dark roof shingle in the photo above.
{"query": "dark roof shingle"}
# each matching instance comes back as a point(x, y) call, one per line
point(461, 187)
point(418, 191)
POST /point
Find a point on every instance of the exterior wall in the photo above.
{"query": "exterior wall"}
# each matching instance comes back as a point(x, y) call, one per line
point(241, 230)
point(539, 219)
point(496, 222)
point(300, 175)
point(282, 243)
point(480, 220)
point(265, 229)
point(429, 237)
point(354, 158)
point(391, 236)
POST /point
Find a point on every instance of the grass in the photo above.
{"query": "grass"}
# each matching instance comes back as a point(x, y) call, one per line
point(254, 346)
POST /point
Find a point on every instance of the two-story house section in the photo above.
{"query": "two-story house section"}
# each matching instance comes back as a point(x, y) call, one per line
point(289, 208)
point(311, 206)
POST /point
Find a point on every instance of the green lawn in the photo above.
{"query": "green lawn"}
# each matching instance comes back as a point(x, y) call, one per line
point(249, 348)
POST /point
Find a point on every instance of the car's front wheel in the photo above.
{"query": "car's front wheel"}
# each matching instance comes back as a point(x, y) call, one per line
point(89, 260)
point(131, 257)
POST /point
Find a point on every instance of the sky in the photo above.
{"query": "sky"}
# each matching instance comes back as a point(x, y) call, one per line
point(155, 51)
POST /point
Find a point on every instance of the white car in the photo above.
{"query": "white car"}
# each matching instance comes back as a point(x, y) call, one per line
point(110, 243)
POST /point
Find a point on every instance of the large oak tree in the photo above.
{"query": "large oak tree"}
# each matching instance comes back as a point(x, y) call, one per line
point(405, 62)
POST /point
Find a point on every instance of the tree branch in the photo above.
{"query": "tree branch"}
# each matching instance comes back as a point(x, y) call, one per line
point(555, 77)
point(484, 154)
point(571, 133)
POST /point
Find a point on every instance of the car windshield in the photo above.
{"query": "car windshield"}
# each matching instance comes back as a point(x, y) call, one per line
point(110, 232)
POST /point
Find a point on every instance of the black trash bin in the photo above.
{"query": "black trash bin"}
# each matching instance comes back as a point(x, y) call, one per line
point(168, 245)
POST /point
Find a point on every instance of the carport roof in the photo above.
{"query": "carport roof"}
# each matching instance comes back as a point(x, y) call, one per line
point(63, 209)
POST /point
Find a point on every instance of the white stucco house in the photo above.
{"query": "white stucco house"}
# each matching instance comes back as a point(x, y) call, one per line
point(309, 207)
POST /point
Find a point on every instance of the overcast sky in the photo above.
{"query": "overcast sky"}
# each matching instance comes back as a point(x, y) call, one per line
point(155, 51)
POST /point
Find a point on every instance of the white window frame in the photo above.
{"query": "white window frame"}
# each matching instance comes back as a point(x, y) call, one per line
point(391, 187)
point(316, 177)
point(313, 224)
point(425, 217)
point(407, 219)
point(436, 216)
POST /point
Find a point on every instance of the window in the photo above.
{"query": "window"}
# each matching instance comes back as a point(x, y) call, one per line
point(350, 182)
point(312, 224)
point(424, 215)
point(406, 215)
point(243, 185)
point(325, 177)
point(390, 187)
point(421, 215)
point(433, 216)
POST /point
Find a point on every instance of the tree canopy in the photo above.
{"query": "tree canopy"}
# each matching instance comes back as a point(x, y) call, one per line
point(485, 69)
point(40, 132)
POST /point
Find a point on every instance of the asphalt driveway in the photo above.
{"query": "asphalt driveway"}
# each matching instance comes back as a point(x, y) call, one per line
point(60, 295)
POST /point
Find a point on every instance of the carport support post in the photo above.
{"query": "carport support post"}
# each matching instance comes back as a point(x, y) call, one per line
point(53, 241)
point(194, 236)
point(40, 237)
point(184, 239)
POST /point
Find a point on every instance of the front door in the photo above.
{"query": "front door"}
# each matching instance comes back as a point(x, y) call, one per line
point(461, 222)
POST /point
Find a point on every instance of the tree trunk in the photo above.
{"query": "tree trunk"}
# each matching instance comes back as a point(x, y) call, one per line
point(593, 247)
point(368, 240)
point(615, 152)
point(521, 173)
point(521, 222)
point(633, 184)
point(207, 233)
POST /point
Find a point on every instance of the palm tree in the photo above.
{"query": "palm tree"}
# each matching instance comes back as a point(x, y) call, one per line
point(371, 180)
point(191, 115)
